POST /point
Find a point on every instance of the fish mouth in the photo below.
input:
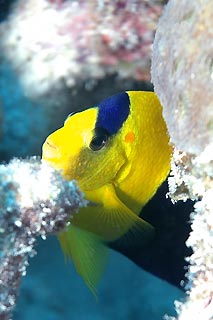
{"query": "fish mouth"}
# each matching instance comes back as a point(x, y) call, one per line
point(50, 151)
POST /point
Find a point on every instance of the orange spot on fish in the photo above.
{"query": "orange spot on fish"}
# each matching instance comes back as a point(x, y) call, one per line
point(130, 137)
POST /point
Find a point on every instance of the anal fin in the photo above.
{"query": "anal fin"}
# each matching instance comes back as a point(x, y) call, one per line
point(88, 252)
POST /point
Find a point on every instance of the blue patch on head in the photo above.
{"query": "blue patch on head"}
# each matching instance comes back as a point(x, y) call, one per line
point(113, 112)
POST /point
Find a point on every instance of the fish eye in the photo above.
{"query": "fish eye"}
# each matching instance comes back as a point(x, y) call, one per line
point(99, 140)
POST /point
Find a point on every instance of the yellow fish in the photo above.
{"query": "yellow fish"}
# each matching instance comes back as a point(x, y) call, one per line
point(119, 153)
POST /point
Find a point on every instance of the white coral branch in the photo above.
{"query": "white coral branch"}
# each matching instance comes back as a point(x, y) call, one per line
point(34, 201)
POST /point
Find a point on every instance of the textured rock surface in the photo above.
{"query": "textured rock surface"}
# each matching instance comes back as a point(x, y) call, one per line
point(57, 44)
point(34, 201)
point(182, 72)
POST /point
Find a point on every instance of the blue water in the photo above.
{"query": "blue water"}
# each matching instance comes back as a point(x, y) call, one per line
point(52, 290)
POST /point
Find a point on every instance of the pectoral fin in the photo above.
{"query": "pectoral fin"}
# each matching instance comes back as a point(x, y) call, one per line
point(123, 222)
point(112, 219)
point(88, 253)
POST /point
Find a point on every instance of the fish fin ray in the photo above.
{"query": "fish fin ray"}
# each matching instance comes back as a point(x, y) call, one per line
point(115, 219)
point(138, 235)
point(88, 253)
point(139, 229)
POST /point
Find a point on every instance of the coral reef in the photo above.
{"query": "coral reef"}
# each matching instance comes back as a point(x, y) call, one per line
point(52, 44)
point(182, 72)
point(183, 79)
point(34, 201)
point(192, 177)
point(60, 44)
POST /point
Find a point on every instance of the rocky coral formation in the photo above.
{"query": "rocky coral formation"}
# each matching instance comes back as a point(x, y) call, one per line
point(34, 201)
point(183, 79)
point(52, 44)
point(182, 72)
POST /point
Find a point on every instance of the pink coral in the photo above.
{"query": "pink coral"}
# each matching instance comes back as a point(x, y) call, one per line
point(52, 43)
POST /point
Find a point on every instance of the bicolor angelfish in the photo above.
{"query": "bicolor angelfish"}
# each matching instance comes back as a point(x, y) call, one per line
point(119, 153)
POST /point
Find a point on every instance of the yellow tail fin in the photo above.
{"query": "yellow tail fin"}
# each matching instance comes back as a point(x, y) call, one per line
point(88, 253)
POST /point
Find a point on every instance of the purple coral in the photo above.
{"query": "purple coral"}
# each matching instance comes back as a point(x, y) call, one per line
point(34, 201)
point(55, 43)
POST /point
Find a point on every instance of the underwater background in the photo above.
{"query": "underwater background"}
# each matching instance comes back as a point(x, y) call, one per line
point(51, 289)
